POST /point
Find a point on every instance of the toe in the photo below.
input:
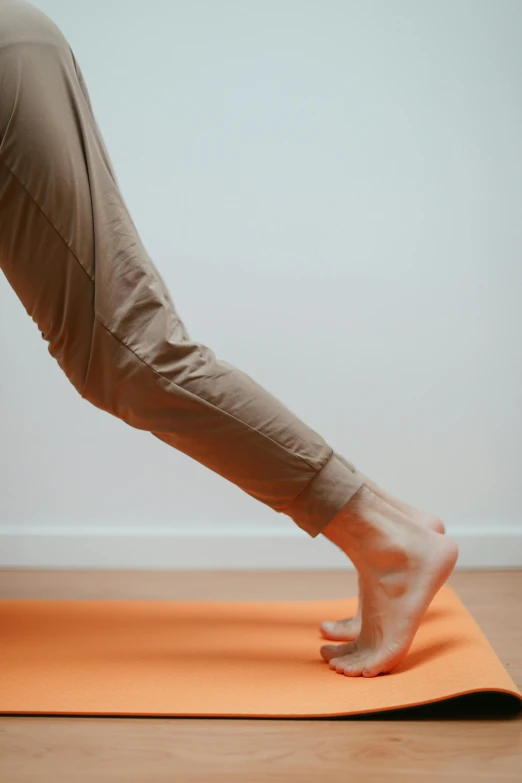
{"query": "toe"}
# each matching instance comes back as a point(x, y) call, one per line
point(372, 667)
point(329, 651)
point(327, 627)
point(383, 661)
point(340, 631)
point(353, 670)
point(350, 665)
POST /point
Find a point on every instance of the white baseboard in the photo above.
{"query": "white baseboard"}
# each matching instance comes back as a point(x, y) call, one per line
point(220, 548)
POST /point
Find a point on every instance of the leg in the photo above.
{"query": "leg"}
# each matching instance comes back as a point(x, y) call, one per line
point(402, 565)
point(349, 628)
point(71, 252)
point(420, 517)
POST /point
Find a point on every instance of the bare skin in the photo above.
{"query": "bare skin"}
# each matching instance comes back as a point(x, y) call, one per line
point(402, 565)
point(349, 628)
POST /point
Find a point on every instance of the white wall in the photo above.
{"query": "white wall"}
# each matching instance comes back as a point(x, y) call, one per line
point(332, 191)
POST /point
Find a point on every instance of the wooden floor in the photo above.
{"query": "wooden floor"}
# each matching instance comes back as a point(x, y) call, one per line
point(56, 750)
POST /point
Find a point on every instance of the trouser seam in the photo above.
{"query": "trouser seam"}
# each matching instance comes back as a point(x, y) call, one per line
point(202, 399)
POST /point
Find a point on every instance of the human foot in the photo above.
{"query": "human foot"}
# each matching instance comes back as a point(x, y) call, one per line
point(349, 628)
point(402, 565)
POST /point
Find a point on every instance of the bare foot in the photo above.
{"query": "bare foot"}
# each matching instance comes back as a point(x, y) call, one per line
point(350, 627)
point(347, 629)
point(402, 565)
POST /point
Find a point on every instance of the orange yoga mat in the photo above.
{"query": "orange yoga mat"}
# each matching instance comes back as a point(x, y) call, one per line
point(255, 659)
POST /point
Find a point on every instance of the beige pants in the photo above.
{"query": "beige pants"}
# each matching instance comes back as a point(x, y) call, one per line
point(71, 252)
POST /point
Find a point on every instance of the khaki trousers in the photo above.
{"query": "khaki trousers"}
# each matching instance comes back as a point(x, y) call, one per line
point(71, 252)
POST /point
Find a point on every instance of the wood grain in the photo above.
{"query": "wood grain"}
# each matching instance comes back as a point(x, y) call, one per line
point(52, 750)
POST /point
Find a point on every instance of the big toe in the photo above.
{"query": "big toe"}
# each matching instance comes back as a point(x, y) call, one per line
point(341, 630)
point(329, 651)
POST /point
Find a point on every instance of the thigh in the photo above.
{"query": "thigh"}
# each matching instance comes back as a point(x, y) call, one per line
point(46, 228)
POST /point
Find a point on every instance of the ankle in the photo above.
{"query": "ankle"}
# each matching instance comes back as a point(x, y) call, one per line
point(350, 529)
point(374, 535)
